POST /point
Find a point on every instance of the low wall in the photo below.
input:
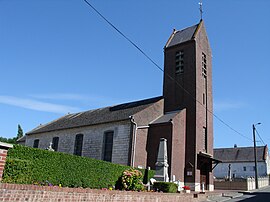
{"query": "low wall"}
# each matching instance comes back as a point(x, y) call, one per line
point(243, 184)
point(18, 192)
point(3, 155)
point(230, 185)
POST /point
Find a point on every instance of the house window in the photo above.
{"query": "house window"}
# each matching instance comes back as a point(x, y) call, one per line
point(36, 143)
point(204, 65)
point(78, 145)
point(55, 141)
point(108, 146)
point(245, 168)
point(179, 62)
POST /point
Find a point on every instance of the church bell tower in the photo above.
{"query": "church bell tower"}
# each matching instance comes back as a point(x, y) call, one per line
point(188, 85)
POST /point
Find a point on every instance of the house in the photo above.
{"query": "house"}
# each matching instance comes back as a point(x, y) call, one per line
point(130, 133)
point(21, 140)
point(241, 161)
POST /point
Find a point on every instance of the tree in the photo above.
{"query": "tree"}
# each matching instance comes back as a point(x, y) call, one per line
point(14, 139)
point(20, 132)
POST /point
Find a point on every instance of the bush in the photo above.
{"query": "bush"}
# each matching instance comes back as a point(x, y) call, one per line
point(168, 187)
point(131, 180)
point(17, 171)
point(29, 165)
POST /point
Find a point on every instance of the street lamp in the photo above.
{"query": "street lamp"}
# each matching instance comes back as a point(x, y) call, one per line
point(255, 155)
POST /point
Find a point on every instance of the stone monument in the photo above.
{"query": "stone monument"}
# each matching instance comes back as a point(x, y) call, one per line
point(162, 162)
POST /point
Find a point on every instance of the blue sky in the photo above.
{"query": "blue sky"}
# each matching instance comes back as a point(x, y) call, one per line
point(58, 56)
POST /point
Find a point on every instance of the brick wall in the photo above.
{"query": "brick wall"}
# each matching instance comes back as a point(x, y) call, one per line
point(15, 192)
point(3, 154)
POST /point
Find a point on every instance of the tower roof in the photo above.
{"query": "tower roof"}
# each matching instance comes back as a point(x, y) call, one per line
point(181, 36)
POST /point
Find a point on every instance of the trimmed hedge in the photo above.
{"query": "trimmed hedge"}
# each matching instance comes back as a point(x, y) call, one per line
point(168, 187)
point(27, 165)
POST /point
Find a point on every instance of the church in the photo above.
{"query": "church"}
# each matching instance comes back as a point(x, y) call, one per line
point(130, 133)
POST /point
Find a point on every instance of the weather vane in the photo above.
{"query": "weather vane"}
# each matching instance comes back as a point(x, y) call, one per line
point(201, 9)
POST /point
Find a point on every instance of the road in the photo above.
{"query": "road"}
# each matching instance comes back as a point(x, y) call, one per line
point(263, 195)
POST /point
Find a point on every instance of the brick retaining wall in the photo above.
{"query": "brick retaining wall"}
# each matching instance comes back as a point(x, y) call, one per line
point(3, 155)
point(18, 192)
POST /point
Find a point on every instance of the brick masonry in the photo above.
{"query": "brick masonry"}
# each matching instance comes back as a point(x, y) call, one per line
point(3, 155)
point(16, 192)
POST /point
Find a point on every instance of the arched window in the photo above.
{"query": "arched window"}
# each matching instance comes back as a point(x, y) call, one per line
point(55, 142)
point(108, 146)
point(78, 145)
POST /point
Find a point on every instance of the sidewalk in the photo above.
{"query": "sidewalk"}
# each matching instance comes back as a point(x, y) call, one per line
point(223, 195)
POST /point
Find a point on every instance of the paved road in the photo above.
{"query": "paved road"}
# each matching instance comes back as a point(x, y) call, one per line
point(263, 195)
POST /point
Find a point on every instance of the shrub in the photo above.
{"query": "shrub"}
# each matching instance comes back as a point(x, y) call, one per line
point(29, 165)
point(131, 180)
point(168, 187)
point(17, 171)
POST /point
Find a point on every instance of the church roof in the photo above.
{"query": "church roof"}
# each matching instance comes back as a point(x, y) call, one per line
point(240, 154)
point(181, 36)
point(96, 116)
point(166, 118)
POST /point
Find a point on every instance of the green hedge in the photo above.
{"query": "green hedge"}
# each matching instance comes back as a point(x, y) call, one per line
point(168, 187)
point(28, 165)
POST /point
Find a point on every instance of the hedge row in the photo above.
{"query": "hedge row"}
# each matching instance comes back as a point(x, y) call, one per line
point(167, 187)
point(27, 165)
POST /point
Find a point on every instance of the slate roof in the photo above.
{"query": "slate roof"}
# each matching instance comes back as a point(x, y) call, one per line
point(182, 36)
point(22, 139)
point(240, 154)
point(96, 116)
point(166, 117)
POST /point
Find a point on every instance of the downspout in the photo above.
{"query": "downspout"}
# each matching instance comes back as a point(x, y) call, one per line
point(134, 141)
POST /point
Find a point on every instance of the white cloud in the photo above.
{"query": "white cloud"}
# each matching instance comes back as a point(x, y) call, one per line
point(92, 100)
point(228, 105)
point(37, 105)
point(60, 96)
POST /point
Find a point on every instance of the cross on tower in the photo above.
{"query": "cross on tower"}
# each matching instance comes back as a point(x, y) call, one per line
point(201, 9)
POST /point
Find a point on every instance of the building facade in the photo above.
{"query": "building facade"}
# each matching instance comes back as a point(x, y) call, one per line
point(240, 162)
point(130, 133)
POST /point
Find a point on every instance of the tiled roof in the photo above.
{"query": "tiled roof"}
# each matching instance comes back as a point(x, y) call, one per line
point(182, 36)
point(96, 116)
point(240, 154)
point(166, 117)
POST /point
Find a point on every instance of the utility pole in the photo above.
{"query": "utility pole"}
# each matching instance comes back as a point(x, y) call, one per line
point(255, 156)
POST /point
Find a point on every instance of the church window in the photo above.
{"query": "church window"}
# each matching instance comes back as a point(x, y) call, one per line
point(204, 98)
point(78, 144)
point(36, 143)
point(55, 141)
point(179, 62)
point(205, 139)
point(204, 65)
point(108, 146)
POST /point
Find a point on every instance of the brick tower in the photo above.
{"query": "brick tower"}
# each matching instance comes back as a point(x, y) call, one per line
point(188, 85)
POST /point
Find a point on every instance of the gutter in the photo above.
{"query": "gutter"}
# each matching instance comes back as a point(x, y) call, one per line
point(134, 134)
